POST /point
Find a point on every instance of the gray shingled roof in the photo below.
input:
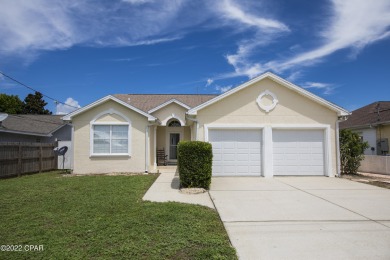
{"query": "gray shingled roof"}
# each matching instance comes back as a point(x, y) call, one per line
point(32, 124)
point(147, 102)
point(372, 114)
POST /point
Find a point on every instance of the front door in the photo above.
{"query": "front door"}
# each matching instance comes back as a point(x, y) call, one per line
point(174, 139)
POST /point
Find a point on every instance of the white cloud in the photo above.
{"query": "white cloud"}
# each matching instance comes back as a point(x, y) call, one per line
point(69, 106)
point(294, 76)
point(45, 25)
point(223, 89)
point(138, 2)
point(209, 82)
point(325, 87)
point(266, 31)
point(6, 84)
point(353, 25)
point(240, 60)
point(234, 11)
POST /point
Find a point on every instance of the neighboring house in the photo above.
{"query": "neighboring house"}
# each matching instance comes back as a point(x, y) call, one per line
point(264, 127)
point(34, 128)
point(372, 123)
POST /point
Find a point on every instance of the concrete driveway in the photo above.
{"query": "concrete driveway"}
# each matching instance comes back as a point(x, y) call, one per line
point(304, 217)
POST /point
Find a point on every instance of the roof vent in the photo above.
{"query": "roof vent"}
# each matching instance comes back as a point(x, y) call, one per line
point(128, 100)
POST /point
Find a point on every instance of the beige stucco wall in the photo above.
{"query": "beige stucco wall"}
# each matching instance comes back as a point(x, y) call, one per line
point(293, 108)
point(84, 163)
point(165, 113)
point(161, 137)
point(187, 133)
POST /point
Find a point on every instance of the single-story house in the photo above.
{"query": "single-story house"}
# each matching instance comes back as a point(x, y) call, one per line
point(264, 127)
point(34, 128)
point(372, 123)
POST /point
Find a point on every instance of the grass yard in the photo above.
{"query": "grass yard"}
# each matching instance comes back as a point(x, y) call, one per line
point(104, 217)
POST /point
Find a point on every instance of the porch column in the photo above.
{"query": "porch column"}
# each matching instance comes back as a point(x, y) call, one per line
point(147, 156)
point(155, 147)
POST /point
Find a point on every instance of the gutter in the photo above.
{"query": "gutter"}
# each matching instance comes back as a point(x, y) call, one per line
point(24, 133)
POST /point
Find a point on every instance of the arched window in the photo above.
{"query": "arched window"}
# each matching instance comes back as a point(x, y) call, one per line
point(112, 137)
point(174, 123)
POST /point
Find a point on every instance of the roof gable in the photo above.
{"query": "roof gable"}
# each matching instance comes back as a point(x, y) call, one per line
point(167, 103)
point(340, 111)
point(69, 116)
point(147, 102)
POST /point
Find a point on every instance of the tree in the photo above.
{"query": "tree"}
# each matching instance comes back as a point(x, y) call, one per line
point(10, 104)
point(34, 104)
point(351, 151)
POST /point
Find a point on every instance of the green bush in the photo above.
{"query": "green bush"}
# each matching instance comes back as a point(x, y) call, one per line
point(194, 163)
point(351, 151)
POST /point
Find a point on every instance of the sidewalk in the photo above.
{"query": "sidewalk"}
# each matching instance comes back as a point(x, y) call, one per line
point(166, 188)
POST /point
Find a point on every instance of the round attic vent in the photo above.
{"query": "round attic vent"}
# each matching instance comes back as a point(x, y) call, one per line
point(264, 104)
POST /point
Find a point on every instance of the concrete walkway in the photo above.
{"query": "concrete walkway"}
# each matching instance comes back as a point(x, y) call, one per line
point(304, 217)
point(166, 188)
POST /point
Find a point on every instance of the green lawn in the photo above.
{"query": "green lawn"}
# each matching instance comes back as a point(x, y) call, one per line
point(104, 217)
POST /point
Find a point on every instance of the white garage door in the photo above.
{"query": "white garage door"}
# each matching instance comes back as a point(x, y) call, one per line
point(236, 152)
point(298, 152)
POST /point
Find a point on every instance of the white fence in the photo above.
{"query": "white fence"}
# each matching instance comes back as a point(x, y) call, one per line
point(375, 164)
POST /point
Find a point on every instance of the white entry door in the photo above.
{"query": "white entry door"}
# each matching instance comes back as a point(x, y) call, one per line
point(298, 152)
point(236, 152)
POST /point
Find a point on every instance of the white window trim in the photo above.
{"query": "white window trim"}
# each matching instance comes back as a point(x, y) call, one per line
point(93, 123)
point(173, 116)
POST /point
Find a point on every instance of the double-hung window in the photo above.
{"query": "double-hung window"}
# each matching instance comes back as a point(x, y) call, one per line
point(110, 139)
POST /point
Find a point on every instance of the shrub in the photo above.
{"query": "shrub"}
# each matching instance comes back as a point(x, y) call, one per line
point(351, 151)
point(194, 163)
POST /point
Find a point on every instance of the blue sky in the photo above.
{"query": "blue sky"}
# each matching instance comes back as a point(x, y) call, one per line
point(78, 51)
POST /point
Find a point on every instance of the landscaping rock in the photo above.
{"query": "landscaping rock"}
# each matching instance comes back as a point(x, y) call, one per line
point(192, 190)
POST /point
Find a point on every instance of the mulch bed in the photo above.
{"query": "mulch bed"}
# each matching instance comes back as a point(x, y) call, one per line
point(379, 180)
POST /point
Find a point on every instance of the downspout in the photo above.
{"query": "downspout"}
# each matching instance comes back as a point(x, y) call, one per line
point(72, 149)
point(147, 157)
point(340, 119)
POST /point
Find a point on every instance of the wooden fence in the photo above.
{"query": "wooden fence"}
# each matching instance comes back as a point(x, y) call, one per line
point(21, 158)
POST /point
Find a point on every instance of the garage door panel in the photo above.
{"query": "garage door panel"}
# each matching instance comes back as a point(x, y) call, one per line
point(228, 170)
point(298, 152)
point(238, 150)
point(228, 145)
point(242, 145)
point(227, 157)
point(242, 157)
point(242, 169)
point(242, 151)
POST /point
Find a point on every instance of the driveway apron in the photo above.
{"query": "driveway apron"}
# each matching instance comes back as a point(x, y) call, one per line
point(304, 217)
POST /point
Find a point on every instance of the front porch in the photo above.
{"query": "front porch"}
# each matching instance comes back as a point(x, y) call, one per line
point(164, 139)
point(167, 139)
